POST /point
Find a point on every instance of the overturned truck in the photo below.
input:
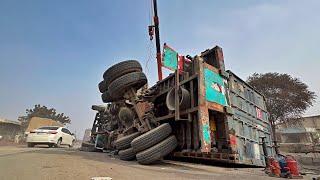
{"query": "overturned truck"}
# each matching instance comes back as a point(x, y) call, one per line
point(203, 112)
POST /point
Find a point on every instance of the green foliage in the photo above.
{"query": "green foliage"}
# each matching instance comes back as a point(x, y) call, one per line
point(287, 97)
point(43, 112)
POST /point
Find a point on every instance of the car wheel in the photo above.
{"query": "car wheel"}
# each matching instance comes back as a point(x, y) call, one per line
point(71, 145)
point(132, 80)
point(30, 145)
point(151, 137)
point(121, 69)
point(158, 151)
point(59, 143)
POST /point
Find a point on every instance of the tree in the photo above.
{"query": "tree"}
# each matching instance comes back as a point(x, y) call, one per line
point(43, 112)
point(287, 98)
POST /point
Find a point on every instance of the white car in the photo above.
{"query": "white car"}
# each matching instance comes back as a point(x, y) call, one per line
point(51, 136)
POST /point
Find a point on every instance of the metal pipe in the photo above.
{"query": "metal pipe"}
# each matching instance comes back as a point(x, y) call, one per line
point(264, 148)
point(156, 29)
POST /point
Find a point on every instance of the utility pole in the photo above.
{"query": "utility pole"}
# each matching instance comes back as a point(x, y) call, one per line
point(156, 28)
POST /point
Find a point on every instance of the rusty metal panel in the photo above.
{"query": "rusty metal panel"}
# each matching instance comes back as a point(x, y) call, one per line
point(249, 121)
point(203, 112)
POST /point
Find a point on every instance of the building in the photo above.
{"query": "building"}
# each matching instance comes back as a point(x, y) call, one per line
point(9, 129)
point(303, 134)
point(302, 130)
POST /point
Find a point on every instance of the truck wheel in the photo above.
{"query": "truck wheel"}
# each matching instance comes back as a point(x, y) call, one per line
point(127, 154)
point(124, 142)
point(121, 69)
point(151, 137)
point(132, 80)
point(106, 97)
point(158, 151)
point(102, 86)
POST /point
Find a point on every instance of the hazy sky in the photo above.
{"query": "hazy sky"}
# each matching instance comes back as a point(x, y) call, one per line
point(55, 52)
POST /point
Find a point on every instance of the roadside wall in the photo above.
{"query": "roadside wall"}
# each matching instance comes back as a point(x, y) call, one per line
point(8, 131)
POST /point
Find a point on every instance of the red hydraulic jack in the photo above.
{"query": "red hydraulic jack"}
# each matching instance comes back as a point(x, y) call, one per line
point(292, 167)
point(273, 168)
point(283, 166)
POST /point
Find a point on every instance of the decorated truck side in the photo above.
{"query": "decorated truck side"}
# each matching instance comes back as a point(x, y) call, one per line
point(201, 111)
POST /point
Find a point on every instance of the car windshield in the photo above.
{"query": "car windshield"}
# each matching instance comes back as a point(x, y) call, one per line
point(49, 128)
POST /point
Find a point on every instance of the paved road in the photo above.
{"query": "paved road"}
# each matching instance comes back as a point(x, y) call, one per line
point(62, 163)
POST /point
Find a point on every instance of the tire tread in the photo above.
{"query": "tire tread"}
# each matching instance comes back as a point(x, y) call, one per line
point(151, 137)
point(158, 151)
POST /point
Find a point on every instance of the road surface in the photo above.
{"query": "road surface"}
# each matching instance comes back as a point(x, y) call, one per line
point(64, 164)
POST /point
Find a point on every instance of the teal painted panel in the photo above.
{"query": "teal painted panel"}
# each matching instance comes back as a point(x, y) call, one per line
point(170, 59)
point(215, 88)
point(206, 133)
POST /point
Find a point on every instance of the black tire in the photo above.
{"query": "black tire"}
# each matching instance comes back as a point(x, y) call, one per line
point(124, 142)
point(127, 154)
point(50, 145)
point(106, 98)
point(72, 144)
point(132, 80)
point(103, 86)
point(58, 144)
point(31, 145)
point(158, 151)
point(121, 69)
point(151, 137)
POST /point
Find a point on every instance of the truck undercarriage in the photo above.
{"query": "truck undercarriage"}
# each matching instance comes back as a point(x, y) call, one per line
point(202, 112)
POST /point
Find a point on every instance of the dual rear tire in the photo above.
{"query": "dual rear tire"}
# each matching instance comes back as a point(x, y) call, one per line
point(158, 151)
point(127, 154)
point(123, 144)
point(148, 147)
point(120, 69)
point(154, 144)
point(119, 78)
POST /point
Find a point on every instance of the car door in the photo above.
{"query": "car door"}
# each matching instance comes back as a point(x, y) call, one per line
point(70, 137)
point(65, 136)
